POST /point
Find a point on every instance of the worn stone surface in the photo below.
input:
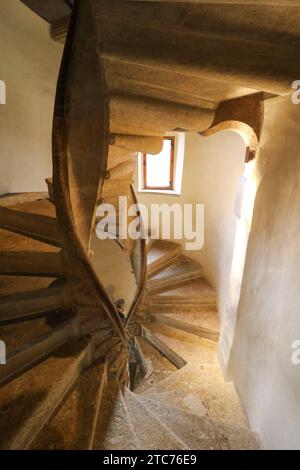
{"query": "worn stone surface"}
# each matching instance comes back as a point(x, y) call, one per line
point(28, 402)
point(18, 336)
point(182, 269)
point(195, 292)
point(120, 433)
point(161, 367)
point(190, 347)
point(202, 324)
point(161, 253)
point(152, 434)
point(72, 427)
point(202, 433)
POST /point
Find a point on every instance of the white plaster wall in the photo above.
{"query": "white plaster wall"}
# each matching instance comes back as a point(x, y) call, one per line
point(216, 164)
point(268, 318)
point(29, 66)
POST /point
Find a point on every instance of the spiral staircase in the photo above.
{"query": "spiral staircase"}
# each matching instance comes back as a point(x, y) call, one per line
point(77, 376)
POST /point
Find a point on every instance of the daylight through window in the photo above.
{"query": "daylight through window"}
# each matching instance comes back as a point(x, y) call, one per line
point(158, 170)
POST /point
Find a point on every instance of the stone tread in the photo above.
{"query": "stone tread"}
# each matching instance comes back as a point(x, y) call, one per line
point(13, 199)
point(161, 367)
point(72, 426)
point(202, 433)
point(200, 390)
point(39, 206)
point(203, 324)
point(190, 347)
point(19, 335)
point(182, 269)
point(28, 402)
point(16, 243)
point(152, 434)
point(161, 253)
point(196, 291)
point(120, 433)
point(19, 284)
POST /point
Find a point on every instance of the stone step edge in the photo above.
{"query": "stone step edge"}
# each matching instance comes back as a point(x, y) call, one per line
point(199, 331)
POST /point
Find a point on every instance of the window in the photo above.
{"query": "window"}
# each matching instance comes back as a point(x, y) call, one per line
point(158, 170)
point(162, 173)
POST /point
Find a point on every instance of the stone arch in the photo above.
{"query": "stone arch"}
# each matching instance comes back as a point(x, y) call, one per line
point(242, 115)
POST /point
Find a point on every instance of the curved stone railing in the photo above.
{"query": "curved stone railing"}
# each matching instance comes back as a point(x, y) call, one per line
point(80, 146)
point(141, 261)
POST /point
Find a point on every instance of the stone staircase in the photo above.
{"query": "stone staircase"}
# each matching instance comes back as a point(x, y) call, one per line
point(179, 295)
point(180, 404)
point(132, 71)
point(182, 322)
point(183, 402)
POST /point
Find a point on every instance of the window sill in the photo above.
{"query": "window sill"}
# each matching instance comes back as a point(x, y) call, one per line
point(167, 192)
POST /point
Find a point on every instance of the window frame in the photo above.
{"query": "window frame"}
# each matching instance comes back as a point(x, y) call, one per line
point(171, 186)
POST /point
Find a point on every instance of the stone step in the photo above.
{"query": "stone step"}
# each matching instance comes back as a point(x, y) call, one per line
point(154, 117)
point(73, 425)
point(143, 83)
point(120, 171)
point(21, 255)
point(21, 284)
point(137, 143)
point(202, 433)
point(28, 305)
point(179, 309)
point(159, 366)
point(11, 199)
point(117, 155)
point(252, 74)
point(18, 335)
point(189, 347)
point(149, 243)
point(119, 433)
point(169, 353)
point(116, 188)
point(161, 254)
point(27, 403)
point(194, 90)
point(25, 357)
point(199, 389)
point(137, 30)
point(181, 270)
point(151, 433)
point(35, 219)
point(202, 324)
point(194, 292)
